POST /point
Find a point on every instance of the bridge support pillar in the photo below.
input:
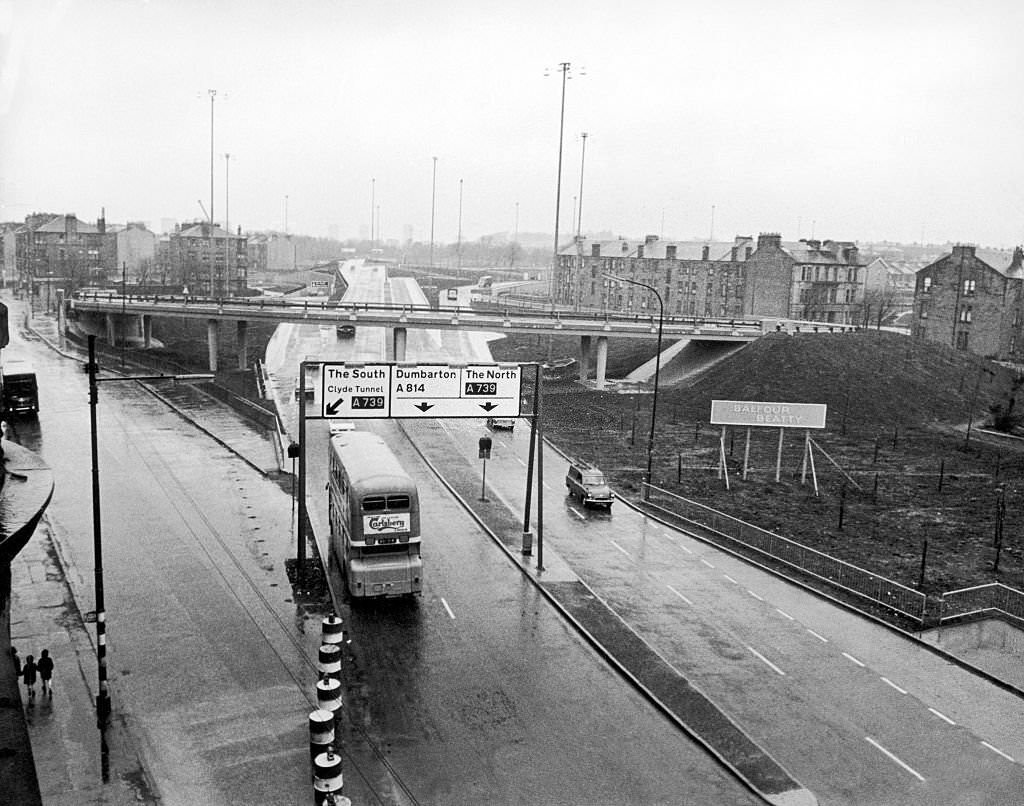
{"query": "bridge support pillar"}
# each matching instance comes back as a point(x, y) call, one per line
point(584, 357)
point(147, 331)
point(602, 361)
point(241, 333)
point(399, 343)
point(111, 327)
point(212, 342)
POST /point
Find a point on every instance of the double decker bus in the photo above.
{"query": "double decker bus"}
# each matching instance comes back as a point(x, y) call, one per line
point(374, 512)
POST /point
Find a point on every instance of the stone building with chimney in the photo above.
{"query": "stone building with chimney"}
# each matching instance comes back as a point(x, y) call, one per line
point(973, 300)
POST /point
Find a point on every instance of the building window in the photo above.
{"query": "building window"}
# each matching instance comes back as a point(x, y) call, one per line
point(965, 313)
point(926, 284)
point(961, 341)
point(924, 312)
point(1016, 318)
point(969, 286)
point(1013, 344)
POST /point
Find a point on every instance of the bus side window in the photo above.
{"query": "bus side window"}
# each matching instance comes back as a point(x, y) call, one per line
point(373, 503)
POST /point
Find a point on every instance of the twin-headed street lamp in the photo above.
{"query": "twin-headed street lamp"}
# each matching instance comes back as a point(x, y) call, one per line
point(657, 371)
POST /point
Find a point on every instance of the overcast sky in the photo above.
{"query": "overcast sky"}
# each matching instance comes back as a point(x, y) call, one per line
point(856, 120)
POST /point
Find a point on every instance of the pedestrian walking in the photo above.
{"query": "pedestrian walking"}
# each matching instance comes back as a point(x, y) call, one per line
point(28, 674)
point(45, 668)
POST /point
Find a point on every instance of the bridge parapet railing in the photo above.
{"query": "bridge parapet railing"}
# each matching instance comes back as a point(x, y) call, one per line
point(838, 573)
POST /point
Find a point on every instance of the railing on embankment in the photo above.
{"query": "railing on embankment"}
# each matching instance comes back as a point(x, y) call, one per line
point(994, 600)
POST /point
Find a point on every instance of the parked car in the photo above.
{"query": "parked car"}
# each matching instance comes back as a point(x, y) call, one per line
point(501, 423)
point(588, 484)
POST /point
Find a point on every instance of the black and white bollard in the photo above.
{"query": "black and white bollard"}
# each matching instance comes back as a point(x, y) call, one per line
point(321, 732)
point(328, 696)
point(329, 662)
point(327, 777)
point(331, 630)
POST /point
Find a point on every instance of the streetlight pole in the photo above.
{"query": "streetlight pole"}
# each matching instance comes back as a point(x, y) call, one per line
point(373, 197)
point(458, 248)
point(92, 368)
point(433, 198)
point(564, 68)
point(213, 95)
point(583, 158)
point(657, 372)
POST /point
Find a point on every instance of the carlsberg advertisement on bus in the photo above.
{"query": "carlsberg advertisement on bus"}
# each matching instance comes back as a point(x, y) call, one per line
point(386, 523)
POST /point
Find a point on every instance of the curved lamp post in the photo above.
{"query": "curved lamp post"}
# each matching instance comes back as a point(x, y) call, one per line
point(657, 371)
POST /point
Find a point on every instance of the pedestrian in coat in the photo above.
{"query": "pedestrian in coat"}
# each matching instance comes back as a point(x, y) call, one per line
point(28, 674)
point(45, 667)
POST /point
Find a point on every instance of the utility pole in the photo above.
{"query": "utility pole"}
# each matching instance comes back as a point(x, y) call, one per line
point(458, 248)
point(583, 158)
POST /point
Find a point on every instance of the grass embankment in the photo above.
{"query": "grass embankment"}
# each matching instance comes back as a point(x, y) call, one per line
point(897, 416)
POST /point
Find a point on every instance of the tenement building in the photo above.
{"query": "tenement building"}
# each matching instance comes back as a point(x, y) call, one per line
point(972, 300)
point(808, 279)
point(208, 260)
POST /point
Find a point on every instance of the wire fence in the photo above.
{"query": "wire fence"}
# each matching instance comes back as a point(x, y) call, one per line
point(839, 573)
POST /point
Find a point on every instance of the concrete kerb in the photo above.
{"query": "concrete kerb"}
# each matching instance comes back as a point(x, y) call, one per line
point(796, 796)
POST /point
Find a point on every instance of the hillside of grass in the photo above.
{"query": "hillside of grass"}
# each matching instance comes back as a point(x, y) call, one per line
point(895, 464)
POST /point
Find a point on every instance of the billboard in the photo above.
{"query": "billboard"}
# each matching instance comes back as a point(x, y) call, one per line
point(771, 415)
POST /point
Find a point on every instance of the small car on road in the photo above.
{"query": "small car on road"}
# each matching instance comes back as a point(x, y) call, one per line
point(501, 423)
point(588, 484)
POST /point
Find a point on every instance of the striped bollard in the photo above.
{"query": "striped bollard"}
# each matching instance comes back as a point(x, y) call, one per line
point(321, 732)
point(329, 662)
point(331, 631)
point(327, 777)
point(328, 696)
point(332, 799)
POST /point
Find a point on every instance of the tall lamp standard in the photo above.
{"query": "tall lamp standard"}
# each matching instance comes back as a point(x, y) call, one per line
point(433, 198)
point(92, 368)
point(564, 68)
point(213, 96)
point(657, 371)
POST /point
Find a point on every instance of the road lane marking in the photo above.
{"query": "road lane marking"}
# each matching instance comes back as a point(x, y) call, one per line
point(755, 596)
point(547, 486)
point(941, 716)
point(685, 549)
point(677, 593)
point(821, 638)
point(733, 581)
point(577, 513)
point(709, 565)
point(446, 607)
point(848, 656)
point(668, 537)
point(903, 764)
point(520, 461)
point(622, 549)
point(997, 750)
point(771, 665)
point(889, 682)
point(784, 613)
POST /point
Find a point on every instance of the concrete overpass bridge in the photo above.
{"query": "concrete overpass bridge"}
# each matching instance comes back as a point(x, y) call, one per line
point(124, 316)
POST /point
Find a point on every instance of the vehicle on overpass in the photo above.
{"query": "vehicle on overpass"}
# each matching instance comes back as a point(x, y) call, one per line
point(20, 389)
point(501, 423)
point(345, 331)
point(373, 508)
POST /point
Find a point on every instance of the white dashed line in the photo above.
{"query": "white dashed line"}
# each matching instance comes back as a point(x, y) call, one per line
point(850, 657)
point(784, 613)
point(547, 486)
point(446, 607)
point(733, 581)
point(709, 565)
point(821, 638)
point(997, 750)
point(903, 764)
point(760, 599)
point(622, 549)
point(771, 665)
point(677, 593)
point(520, 461)
point(668, 537)
point(942, 716)
point(577, 513)
point(889, 682)
point(685, 549)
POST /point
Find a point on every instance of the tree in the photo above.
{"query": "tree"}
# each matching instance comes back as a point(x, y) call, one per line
point(878, 304)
